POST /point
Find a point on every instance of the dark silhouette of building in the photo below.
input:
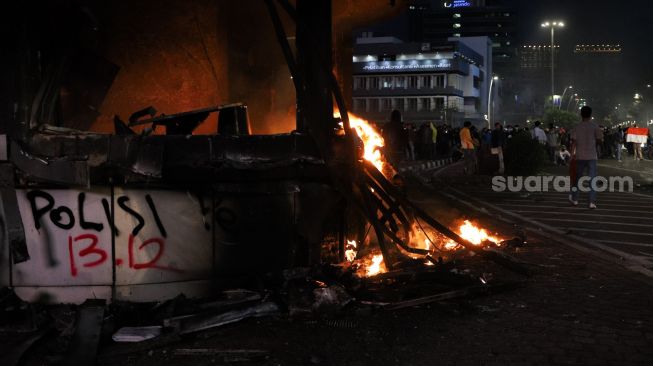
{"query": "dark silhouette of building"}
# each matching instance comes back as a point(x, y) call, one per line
point(434, 20)
point(597, 68)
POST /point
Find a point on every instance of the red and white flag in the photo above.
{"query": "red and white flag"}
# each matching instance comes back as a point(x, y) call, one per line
point(637, 135)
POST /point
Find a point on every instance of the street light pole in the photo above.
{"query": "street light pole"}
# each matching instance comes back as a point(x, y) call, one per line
point(570, 99)
point(553, 89)
point(489, 102)
point(553, 26)
point(563, 96)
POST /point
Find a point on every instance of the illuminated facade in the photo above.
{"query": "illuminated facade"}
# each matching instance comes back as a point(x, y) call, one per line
point(444, 82)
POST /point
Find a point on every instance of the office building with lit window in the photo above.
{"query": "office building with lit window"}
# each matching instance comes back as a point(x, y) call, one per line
point(434, 20)
point(446, 82)
point(537, 57)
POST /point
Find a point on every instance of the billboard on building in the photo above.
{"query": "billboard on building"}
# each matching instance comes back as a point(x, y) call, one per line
point(462, 4)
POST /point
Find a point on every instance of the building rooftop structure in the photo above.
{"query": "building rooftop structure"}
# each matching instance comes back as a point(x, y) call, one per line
point(597, 48)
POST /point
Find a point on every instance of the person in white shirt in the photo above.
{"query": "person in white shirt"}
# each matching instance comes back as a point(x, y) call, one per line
point(563, 156)
point(539, 134)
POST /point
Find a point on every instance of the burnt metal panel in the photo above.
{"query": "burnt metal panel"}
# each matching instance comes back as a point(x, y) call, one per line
point(149, 157)
point(39, 168)
point(13, 232)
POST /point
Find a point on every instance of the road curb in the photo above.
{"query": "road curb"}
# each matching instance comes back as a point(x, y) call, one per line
point(427, 165)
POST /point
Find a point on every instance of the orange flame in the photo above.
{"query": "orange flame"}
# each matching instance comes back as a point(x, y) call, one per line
point(476, 235)
point(472, 234)
point(373, 265)
point(372, 140)
point(351, 251)
point(374, 268)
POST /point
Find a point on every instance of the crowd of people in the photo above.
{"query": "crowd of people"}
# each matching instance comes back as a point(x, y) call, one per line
point(580, 147)
point(405, 141)
point(430, 141)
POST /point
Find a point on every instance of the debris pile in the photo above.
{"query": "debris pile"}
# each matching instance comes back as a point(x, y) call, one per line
point(95, 330)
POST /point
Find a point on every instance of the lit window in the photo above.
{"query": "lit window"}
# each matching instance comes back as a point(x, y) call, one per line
point(387, 83)
point(400, 82)
point(456, 25)
point(456, 15)
point(456, 34)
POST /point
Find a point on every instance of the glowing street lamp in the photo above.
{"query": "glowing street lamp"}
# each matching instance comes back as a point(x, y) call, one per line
point(553, 25)
point(563, 96)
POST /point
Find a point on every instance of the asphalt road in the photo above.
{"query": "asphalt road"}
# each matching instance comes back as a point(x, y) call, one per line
point(621, 226)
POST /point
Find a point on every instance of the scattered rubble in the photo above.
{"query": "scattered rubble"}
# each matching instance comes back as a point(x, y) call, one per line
point(321, 294)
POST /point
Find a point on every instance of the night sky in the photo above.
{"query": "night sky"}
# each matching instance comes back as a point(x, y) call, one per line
point(625, 22)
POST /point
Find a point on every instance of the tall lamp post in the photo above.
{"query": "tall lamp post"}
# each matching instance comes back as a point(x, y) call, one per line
point(489, 102)
point(570, 99)
point(563, 96)
point(553, 26)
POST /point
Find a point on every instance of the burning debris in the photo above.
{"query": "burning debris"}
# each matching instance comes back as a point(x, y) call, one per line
point(436, 244)
point(400, 223)
point(372, 141)
point(294, 188)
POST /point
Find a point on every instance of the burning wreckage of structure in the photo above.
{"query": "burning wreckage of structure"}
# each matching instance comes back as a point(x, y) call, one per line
point(143, 217)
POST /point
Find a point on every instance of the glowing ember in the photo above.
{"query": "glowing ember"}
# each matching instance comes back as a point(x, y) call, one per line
point(351, 250)
point(451, 245)
point(372, 140)
point(374, 268)
point(476, 235)
point(427, 244)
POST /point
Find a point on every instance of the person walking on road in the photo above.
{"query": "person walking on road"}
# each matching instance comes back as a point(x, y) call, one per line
point(585, 137)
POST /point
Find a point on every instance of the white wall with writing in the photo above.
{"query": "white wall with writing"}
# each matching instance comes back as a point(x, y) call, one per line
point(136, 245)
point(62, 253)
point(176, 247)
